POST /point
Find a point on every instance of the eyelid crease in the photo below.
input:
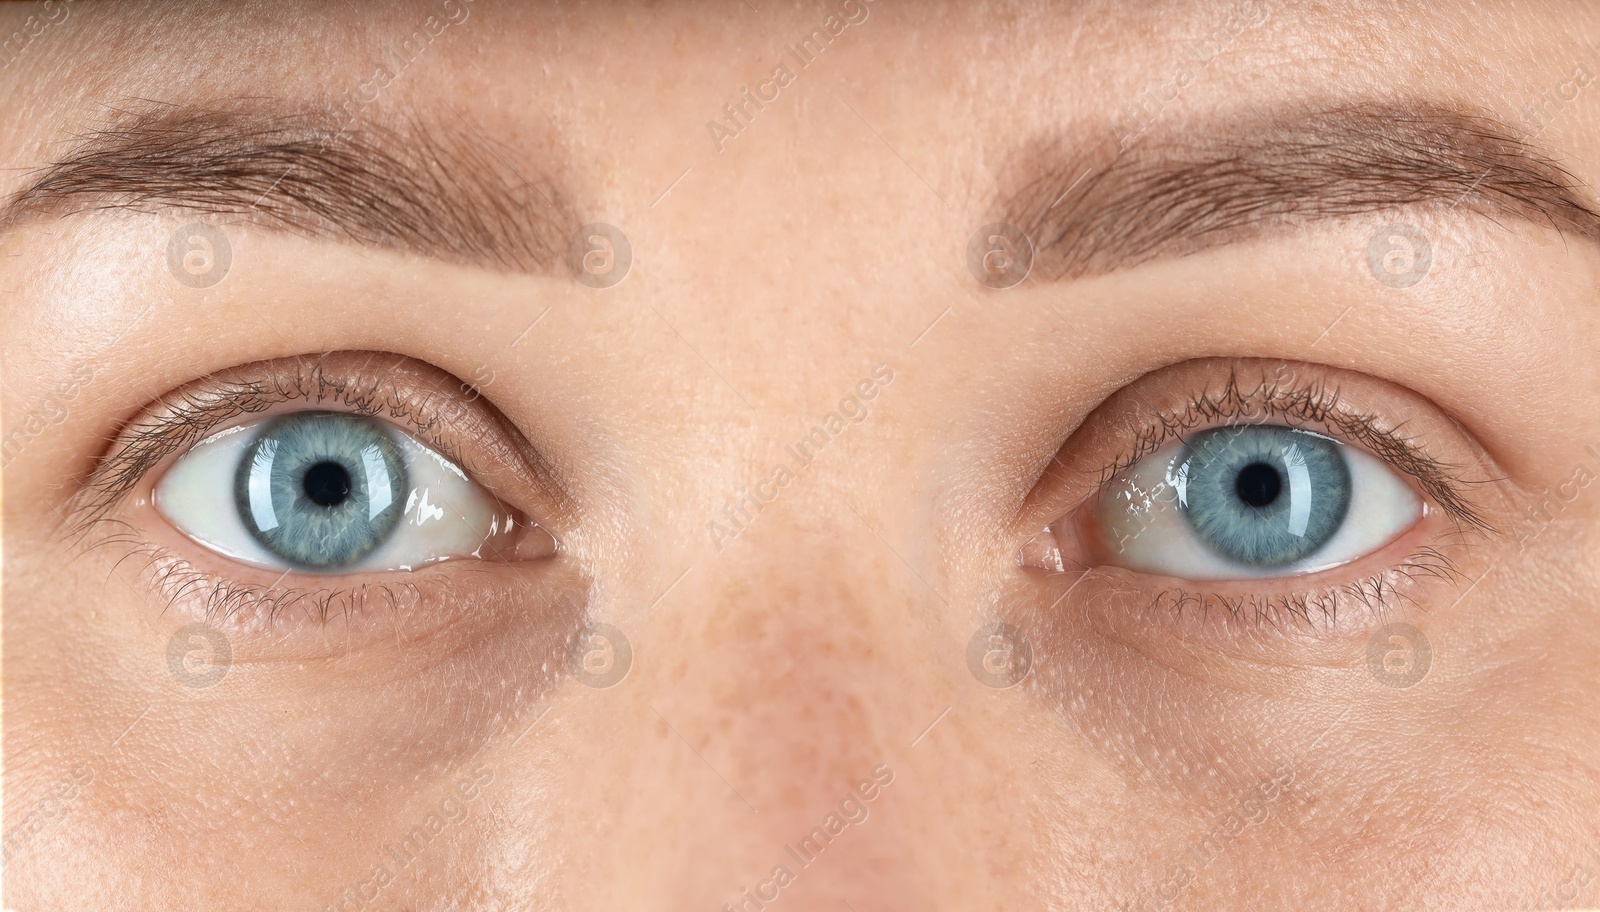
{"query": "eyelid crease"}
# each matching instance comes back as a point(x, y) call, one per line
point(1313, 402)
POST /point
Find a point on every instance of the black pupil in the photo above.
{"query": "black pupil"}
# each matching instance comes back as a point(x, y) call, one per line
point(1258, 484)
point(327, 484)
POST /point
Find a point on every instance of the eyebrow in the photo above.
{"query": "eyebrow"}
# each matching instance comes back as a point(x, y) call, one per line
point(1182, 189)
point(439, 191)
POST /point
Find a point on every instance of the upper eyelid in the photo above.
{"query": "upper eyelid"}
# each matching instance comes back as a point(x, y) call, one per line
point(1313, 402)
point(193, 412)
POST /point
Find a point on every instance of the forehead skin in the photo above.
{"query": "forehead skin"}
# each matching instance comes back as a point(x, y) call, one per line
point(770, 276)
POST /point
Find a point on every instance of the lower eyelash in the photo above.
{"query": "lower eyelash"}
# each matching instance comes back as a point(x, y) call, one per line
point(243, 605)
point(1317, 610)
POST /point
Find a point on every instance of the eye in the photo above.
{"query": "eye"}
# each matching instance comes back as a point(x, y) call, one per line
point(325, 492)
point(1250, 501)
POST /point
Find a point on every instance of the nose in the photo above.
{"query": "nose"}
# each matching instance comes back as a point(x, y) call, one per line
point(788, 735)
point(784, 708)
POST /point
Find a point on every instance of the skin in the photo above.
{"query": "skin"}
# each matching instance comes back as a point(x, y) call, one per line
point(827, 639)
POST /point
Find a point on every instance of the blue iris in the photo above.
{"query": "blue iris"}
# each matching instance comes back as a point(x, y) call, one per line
point(1261, 494)
point(321, 490)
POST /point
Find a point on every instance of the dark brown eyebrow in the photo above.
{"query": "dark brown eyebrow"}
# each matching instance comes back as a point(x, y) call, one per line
point(1189, 186)
point(436, 190)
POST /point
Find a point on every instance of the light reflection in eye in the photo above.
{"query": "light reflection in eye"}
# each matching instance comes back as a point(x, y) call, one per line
point(1251, 501)
point(320, 491)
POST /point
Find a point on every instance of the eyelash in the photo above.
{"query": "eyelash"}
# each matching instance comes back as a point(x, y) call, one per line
point(227, 599)
point(1311, 403)
point(183, 422)
point(188, 416)
point(1376, 594)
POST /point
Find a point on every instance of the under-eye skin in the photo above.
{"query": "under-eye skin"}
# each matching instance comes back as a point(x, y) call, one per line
point(1257, 492)
point(351, 485)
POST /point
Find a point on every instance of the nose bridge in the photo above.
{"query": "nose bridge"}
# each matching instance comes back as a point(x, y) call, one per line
point(800, 658)
point(807, 644)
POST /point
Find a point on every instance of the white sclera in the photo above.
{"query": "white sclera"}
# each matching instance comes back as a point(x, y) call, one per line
point(1145, 527)
point(446, 514)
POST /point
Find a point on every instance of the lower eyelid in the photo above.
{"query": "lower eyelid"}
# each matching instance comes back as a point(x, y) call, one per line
point(273, 617)
point(1323, 620)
